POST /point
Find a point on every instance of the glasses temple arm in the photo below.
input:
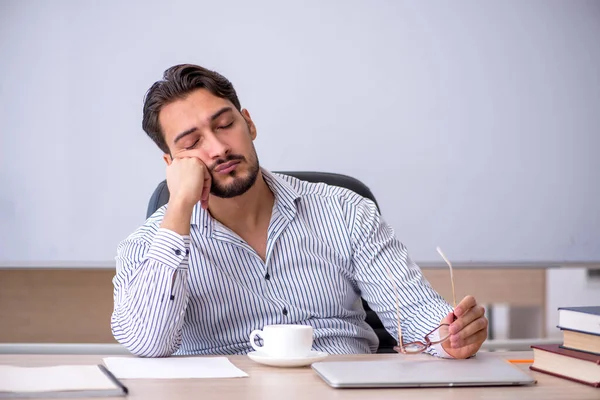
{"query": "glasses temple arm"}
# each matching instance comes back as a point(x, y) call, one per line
point(451, 275)
point(393, 281)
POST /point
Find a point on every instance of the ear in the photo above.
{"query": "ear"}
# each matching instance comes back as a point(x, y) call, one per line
point(168, 159)
point(250, 123)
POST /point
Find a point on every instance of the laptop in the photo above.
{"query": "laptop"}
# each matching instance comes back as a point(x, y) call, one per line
point(482, 370)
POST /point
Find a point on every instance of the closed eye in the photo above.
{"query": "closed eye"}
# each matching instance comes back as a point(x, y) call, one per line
point(226, 126)
point(193, 145)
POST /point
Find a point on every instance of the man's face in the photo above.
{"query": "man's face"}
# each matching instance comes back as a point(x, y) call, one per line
point(211, 129)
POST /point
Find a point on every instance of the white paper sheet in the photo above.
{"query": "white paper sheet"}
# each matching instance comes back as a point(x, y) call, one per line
point(172, 367)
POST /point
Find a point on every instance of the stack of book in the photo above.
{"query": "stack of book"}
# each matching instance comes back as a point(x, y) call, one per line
point(578, 358)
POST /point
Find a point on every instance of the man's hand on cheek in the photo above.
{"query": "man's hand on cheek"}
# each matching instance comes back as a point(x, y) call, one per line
point(189, 181)
point(468, 331)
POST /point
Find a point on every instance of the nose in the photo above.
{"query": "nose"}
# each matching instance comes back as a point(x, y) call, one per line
point(216, 147)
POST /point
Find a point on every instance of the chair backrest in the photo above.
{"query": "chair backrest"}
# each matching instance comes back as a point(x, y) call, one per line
point(160, 197)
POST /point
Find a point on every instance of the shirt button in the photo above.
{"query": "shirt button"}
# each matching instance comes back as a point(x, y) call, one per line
point(285, 312)
point(187, 252)
point(267, 276)
point(178, 252)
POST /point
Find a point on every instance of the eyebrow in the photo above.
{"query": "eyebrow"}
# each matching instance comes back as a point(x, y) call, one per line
point(194, 129)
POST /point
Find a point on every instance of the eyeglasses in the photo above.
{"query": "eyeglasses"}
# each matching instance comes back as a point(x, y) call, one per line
point(438, 335)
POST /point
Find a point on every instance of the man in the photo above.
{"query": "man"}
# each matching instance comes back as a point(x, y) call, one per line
point(237, 247)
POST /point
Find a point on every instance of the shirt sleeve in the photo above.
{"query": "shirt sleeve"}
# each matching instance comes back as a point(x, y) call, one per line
point(377, 251)
point(151, 292)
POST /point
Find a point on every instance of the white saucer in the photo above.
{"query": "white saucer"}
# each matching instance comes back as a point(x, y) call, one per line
point(262, 358)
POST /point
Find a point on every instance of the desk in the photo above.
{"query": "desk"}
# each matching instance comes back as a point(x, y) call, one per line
point(302, 383)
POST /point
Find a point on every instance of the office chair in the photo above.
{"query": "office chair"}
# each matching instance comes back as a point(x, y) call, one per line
point(160, 197)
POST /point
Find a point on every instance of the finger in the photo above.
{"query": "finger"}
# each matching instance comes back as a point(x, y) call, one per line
point(207, 182)
point(470, 316)
point(206, 189)
point(478, 338)
point(466, 304)
point(206, 185)
point(448, 319)
point(472, 329)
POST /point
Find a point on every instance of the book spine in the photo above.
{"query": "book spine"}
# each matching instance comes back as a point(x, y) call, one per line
point(593, 384)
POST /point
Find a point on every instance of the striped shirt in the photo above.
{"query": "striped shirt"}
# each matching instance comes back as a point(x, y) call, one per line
point(327, 246)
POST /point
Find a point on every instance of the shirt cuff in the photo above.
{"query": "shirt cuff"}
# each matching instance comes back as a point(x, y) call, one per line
point(438, 348)
point(170, 249)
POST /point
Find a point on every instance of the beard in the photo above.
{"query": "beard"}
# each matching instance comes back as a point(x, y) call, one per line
point(241, 184)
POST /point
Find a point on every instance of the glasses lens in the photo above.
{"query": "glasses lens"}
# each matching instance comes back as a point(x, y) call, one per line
point(440, 335)
point(412, 348)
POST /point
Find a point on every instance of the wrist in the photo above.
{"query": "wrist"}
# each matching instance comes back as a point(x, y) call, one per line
point(177, 217)
point(181, 204)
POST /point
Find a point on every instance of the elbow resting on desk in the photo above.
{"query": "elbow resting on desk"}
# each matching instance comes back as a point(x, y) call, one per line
point(149, 311)
point(145, 343)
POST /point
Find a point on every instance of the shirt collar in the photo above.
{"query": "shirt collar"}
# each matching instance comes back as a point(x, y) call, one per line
point(285, 201)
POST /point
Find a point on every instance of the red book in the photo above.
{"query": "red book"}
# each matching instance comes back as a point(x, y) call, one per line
point(569, 364)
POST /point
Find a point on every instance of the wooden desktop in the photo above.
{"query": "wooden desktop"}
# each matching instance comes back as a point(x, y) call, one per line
point(264, 383)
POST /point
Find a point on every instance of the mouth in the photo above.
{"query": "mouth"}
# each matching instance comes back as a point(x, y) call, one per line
point(227, 167)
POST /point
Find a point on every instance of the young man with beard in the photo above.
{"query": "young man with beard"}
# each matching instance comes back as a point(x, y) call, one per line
point(238, 247)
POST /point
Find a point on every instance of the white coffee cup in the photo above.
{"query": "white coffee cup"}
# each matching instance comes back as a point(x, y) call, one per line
point(285, 341)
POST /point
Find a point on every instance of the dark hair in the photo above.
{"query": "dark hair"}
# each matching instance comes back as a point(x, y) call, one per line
point(179, 81)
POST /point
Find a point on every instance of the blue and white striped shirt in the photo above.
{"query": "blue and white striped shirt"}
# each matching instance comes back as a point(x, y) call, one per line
point(326, 247)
